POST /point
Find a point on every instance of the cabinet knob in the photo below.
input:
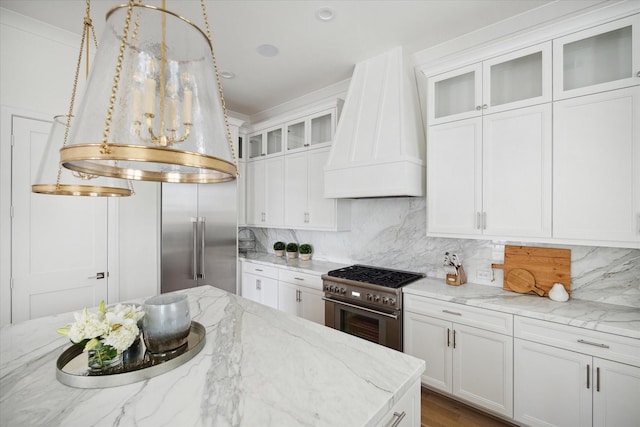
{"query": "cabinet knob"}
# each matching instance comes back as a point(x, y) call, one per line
point(638, 74)
point(484, 106)
point(478, 108)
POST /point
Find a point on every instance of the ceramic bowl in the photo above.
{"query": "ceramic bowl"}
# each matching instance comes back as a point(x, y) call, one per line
point(166, 322)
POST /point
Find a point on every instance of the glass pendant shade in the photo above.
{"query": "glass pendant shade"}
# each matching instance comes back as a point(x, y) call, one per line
point(54, 180)
point(153, 107)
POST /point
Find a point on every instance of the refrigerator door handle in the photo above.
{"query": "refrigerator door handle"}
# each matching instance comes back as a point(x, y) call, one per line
point(203, 220)
point(194, 257)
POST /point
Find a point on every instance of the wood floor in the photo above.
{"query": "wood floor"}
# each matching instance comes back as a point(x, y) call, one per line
point(440, 411)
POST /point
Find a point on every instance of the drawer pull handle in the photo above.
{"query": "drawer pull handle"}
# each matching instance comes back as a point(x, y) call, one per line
point(581, 341)
point(452, 312)
point(299, 278)
point(258, 269)
point(448, 337)
point(597, 379)
point(398, 418)
point(454, 338)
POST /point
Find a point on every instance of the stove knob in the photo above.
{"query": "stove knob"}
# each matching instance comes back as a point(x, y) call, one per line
point(392, 301)
point(326, 288)
point(385, 300)
point(376, 298)
point(369, 297)
point(343, 291)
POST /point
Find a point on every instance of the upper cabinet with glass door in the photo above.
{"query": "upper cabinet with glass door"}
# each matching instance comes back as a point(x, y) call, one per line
point(597, 59)
point(312, 131)
point(265, 143)
point(514, 80)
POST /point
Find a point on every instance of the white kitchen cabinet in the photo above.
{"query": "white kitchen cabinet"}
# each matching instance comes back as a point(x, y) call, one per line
point(304, 201)
point(301, 294)
point(464, 354)
point(491, 175)
point(242, 193)
point(514, 80)
point(567, 376)
point(265, 143)
point(313, 131)
point(596, 167)
point(265, 192)
point(406, 411)
point(260, 283)
point(597, 59)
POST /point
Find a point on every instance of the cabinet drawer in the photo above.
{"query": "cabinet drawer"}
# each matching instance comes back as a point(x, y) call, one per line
point(489, 320)
point(298, 278)
point(260, 270)
point(595, 343)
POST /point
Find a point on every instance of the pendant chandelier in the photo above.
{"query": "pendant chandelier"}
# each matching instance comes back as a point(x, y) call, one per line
point(51, 178)
point(153, 109)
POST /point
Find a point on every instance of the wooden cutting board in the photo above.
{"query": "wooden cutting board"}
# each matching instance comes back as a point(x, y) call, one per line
point(547, 265)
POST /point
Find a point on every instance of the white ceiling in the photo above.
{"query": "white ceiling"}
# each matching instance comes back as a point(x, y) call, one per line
point(313, 54)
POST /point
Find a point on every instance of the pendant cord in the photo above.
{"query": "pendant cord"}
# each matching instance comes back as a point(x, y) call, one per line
point(222, 101)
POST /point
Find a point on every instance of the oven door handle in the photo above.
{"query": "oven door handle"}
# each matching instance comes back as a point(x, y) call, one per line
point(393, 316)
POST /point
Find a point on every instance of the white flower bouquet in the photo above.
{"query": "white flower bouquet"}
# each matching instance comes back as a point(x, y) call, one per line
point(105, 333)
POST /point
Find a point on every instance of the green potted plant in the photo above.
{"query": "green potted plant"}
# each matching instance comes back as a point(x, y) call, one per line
point(292, 250)
point(305, 251)
point(278, 248)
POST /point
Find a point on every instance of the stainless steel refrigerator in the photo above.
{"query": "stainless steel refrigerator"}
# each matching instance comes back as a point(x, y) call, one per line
point(199, 236)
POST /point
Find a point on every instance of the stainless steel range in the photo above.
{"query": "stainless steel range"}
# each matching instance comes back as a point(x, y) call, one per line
point(366, 302)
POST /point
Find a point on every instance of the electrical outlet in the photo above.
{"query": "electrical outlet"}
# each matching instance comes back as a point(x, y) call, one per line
point(484, 275)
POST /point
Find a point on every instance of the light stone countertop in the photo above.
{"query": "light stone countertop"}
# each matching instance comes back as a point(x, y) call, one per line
point(259, 367)
point(312, 266)
point(614, 319)
point(610, 318)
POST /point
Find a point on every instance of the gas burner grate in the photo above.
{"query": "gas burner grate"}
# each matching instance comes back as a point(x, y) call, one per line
point(376, 276)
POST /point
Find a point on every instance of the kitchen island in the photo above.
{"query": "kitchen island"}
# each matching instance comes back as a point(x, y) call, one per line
point(259, 367)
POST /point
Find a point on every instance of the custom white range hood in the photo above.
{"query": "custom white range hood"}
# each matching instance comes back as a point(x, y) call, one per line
point(378, 148)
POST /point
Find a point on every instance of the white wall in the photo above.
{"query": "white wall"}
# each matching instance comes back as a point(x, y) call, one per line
point(37, 66)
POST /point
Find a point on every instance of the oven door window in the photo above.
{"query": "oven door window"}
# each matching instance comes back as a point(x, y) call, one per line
point(369, 326)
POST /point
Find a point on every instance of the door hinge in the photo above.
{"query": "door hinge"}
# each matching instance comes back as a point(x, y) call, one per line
point(11, 211)
point(11, 283)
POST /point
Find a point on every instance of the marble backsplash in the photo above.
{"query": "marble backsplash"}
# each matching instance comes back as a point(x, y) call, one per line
point(392, 233)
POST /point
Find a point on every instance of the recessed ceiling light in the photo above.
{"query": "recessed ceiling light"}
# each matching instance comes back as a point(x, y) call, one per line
point(325, 14)
point(227, 74)
point(267, 50)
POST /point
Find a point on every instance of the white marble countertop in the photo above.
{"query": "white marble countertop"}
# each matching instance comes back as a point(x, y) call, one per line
point(614, 319)
point(259, 367)
point(312, 266)
point(610, 318)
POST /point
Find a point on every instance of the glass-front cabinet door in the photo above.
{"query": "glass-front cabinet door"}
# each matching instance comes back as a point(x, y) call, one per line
point(313, 131)
point(517, 79)
point(601, 58)
point(265, 143)
point(455, 95)
point(255, 145)
point(296, 135)
point(274, 141)
point(322, 128)
point(514, 80)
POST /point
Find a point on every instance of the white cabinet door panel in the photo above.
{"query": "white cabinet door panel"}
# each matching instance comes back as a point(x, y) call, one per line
point(550, 386)
point(295, 189)
point(322, 211)
point(616, 394)
point(517, 172)
point(596, 167)
point(428, 338)
point(274, 191)
point(312, 305)
point(482, 368)
point(454, 177)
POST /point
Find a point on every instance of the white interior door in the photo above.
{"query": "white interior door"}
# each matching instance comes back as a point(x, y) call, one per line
point(58, 243)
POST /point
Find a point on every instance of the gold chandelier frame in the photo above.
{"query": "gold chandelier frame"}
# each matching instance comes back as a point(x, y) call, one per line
point(87, 158)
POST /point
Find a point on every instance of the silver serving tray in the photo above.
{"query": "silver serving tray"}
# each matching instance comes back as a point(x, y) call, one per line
point(137, 364)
